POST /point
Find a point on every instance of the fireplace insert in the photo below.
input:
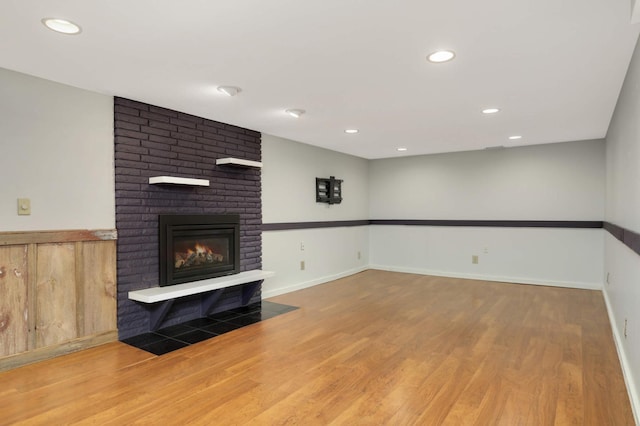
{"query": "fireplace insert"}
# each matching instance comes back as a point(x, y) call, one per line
point(197, 247)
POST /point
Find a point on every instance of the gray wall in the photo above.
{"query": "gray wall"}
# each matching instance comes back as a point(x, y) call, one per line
point(562, 181)
point(288, 195)
point(289, 173)
point(556, 182)
point(57, 150)
point(623, 209)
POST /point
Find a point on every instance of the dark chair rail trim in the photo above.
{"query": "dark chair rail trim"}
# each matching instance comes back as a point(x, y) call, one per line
point(627, 237)
point(418, 222)
point(310, 225)
point(494, 223)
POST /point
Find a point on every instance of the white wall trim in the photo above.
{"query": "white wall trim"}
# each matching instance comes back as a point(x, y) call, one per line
point(282, 290)
point(513, 280)
point(634, 396)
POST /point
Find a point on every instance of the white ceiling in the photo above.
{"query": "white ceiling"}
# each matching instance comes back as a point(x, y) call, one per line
point(554, 67)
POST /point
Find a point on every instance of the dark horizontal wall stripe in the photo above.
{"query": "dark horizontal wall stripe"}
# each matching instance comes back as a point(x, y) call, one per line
point(627, 237)
point(494, 223)
point(311, 225)
point(417, 222)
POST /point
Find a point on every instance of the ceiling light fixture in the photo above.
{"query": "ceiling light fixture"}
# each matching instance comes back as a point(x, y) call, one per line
point(61, 26)
point(401, 149)
point(295, 112)
point(229, 90)
point(515, 137)
point(441, 56)
point(351, 131)
point(490, 110)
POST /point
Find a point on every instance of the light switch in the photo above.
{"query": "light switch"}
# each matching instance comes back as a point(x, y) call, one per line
point(24, 206)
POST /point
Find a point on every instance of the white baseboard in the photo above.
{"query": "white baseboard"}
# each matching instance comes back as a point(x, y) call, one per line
point(515, 280)
point(634, 396)
point(299, 286)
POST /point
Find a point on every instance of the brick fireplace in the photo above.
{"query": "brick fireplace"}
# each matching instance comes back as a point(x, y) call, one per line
point(152, 141)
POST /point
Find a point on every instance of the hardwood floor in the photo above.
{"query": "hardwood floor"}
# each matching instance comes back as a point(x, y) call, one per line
point(371, 349)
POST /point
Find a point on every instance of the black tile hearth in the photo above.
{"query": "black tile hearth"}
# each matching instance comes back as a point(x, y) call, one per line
point(174, 330)
point(164, 346)
point(278, 308)
point(221, 327)
point(195, 336)
point(178, 336)
point(144, 339)
point(224, 316)
point(200, 322)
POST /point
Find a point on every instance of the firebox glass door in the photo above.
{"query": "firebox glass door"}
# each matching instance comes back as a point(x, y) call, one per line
point(196, 255)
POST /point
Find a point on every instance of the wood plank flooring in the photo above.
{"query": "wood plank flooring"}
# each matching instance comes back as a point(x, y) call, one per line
point(376, 348)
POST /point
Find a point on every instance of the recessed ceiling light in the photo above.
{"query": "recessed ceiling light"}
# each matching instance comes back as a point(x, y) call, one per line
point(515, 137)
point(490, 110)
point(229, 90)
point(401, 149)
point(351, 131)
point(61, 26)
point(441, 56)
point(295, 112)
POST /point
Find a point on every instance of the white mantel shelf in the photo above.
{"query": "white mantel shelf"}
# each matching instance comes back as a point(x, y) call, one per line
point(159, 294)
point(238, 162)
point(174, 180)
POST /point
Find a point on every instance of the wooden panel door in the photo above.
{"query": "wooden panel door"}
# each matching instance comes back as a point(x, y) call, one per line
point(14, 328)
point(55, 294)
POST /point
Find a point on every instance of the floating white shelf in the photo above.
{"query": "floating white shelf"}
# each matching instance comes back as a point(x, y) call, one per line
point(159, 294)
point(173, 180)
point(238, 162)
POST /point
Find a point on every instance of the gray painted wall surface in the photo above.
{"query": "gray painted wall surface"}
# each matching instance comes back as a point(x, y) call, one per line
point(57, 150)
point(622, 264)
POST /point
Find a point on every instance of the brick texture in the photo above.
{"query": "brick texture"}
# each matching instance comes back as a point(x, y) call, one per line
point(153, 141)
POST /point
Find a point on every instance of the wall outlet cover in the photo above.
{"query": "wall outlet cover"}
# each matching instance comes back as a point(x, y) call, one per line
point(24, 206)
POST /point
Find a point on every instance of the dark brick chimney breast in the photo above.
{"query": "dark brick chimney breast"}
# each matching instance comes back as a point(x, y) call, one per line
point(153, 141)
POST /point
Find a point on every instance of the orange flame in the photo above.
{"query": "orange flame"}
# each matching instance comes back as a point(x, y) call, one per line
point(202, 248)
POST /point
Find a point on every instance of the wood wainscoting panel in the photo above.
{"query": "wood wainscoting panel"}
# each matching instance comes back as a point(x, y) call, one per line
point(98, 281)
point(55, 294)
point(14, 328)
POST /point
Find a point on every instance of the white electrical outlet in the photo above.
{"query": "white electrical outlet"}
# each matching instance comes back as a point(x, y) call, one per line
point(301, 245)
